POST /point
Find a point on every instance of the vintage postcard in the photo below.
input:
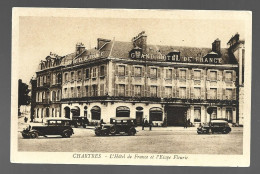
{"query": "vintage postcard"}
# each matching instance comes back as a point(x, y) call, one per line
point(131, 87)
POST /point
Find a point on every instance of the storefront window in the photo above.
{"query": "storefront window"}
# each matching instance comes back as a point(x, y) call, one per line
point(122, 111)
point(96, 113)
point(214, 114)
point(197, 114)
point(156, 114)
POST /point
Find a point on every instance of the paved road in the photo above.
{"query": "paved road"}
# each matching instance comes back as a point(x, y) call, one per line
point(176, 140)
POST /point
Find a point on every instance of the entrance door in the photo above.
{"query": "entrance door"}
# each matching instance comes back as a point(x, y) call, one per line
point(67, 112)
point(176, 116)
point(139, 118)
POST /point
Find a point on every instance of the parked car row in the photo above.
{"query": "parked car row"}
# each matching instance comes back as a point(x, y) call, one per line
point(117, 125)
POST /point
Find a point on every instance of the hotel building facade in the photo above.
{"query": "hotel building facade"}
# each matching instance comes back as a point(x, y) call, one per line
point(165, 84)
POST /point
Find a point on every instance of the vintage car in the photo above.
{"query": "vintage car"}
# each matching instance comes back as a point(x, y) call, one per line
point(50, 126)
point(215, 126)
point(117, 125)
point(79, 121)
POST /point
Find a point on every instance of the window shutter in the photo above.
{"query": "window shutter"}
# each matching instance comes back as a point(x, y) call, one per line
point(188, 92)
point(148, 91)
point(142, 71)
point(98, 71)
point(177, 75)
point(224, 74)
point(159, 72)
point(76, 75)
point(202, 93)
point(132, 70)
point(219, 93)
point(187, 74)
point(224, 94)
point(202, 74)
point(105, 70)
point(192, 92)
point(208, 93)
point(116, 89)
point(148, 71)
point(162, 91)
point(173, 91)
point(116, 69)
point(102, 90)
point(219, 75)
point(192, 74)
point(234, 76)
point(208, 74)
point(84, 74)
point(126, 70)
point(132, 90)
point(234, 93)
point(178, 93)
point(127, 90)
point(173, 73)
point(142, 91)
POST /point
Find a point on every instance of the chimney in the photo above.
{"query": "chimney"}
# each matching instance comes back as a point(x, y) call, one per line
point(141, 41)
point(79, 48)
point(101, 42)
point(216, 46)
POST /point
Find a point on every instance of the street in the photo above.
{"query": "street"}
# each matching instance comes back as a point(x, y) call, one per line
point(174, 140)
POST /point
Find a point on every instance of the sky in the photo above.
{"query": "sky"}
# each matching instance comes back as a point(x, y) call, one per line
point(38, 36)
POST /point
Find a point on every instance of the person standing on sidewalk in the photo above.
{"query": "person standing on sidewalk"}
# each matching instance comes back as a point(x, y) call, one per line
point(150, 124)
point(143, 122)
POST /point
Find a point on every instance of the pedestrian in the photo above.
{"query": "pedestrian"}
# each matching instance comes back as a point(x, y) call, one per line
point(143, 122)
point(185, 123)
point(150, 125)
point(188, 122)
point(25, 119)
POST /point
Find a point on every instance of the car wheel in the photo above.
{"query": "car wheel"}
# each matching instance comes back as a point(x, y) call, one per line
point(66, 134)
point(198, 132)
point(33, 135)
point(97, 133)
point(131, 132)
point(112, 130)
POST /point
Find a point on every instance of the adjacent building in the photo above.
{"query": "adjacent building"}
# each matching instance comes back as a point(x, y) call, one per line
point(165, 84)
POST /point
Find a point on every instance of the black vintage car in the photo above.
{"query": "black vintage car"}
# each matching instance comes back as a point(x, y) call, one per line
point(50, 126)
point(79, 121)
point(215, 126)
point(117, 125)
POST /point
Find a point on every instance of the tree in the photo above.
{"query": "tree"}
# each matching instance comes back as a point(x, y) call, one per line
point(23, 95)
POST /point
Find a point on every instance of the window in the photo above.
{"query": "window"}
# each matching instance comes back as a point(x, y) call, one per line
point(94, 72)
point(197, 114)
point(197, 92)
point(87, 91)
point(72, 76)
point(214, 114)
point(78, 91)
point(53, 96)
point(72, 92)
point(87, 74)
point(121, 90)
point(102, 71)
point(102, 88)
point(58, 95)
point(229, 116)
point(59, 78)
point(53, 79)
point(182, 92)
point(228, 94)
point(153, 73)
point(213, 75)
point(95, 91)
point(213, 93)
point(121, 70)
point(183, 74)
point(138, 71)
point(153, 91)
point(137, 90)
point(66, 77)
point(228, 76)
point(168, 91)
point(44, 79)
point(79, 75)
point(168, 73)
point(197, 74)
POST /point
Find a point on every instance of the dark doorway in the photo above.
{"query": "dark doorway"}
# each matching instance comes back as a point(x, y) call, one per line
point(156, 114)
point(67, 112)
point(139, 117)
point(96, 113)
point(176, 116)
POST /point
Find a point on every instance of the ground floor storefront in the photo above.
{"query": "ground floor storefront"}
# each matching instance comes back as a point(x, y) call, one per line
point(160, 114)
point(43, 111)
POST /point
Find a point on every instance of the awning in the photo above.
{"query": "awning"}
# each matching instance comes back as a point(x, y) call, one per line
point(75, 108)
point(95, 109)
point(123, 108)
